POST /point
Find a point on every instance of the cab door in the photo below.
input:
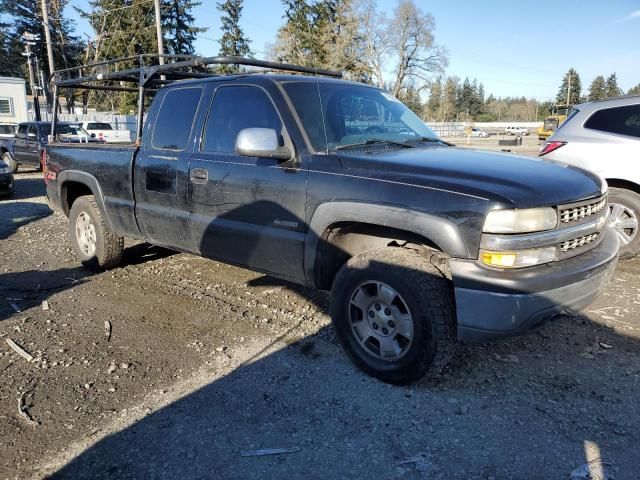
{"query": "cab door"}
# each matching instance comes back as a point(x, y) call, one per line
point(20, 143)
point(247, 210)
point(160, 169)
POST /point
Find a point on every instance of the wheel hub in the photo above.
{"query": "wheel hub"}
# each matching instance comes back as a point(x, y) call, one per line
point(380, 320)
point(86, 234)
point(624, 222)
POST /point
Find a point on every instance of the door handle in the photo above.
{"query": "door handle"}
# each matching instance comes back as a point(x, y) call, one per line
point(198, 175)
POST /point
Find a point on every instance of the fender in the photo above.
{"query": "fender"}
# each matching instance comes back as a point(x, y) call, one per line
point(439, 230)
point(88, 180)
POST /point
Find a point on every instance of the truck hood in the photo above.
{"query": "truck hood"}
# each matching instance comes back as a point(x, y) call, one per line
point(520, 182)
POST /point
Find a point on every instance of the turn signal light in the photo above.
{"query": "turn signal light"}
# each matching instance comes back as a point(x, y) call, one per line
point(549, 147)
point(499, 259)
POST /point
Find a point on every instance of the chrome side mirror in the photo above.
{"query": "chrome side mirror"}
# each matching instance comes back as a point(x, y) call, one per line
point(261, 142)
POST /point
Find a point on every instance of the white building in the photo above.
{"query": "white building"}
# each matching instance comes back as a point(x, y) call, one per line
point(13, 100)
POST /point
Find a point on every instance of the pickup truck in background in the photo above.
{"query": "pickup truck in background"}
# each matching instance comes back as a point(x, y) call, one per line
point(8, 130)
point(104, 131)
point(339, 186)
point(30, 140)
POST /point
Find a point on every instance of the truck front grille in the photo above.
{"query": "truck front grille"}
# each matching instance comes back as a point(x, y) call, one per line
point(578, 242)
point(580, 212)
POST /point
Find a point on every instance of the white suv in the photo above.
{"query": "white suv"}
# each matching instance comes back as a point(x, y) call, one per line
point(516, 131)
point(604, 137)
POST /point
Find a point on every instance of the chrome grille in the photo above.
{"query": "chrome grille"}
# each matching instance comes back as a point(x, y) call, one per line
point(578, 242)
point(580, 212)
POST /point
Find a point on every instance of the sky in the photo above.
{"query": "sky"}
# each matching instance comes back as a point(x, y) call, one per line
point(514, 48)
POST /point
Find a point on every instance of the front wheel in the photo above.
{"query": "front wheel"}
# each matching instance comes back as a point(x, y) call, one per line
point(95, 245)
point(393, 311)
point(11, 163)
point(624, 212)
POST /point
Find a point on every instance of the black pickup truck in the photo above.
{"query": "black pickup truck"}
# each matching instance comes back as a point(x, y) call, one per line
point(338, 186)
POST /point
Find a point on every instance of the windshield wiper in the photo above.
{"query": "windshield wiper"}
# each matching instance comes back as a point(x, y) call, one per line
point(372, 141)
point(429, 140)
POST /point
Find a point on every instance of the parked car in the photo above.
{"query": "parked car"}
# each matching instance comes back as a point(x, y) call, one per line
point(318, 181)
point(604, 137)
point(28, 145)
point(6, 180)
point(8, 130)
point(476, 132)
point(104, 131)
point(516, 131)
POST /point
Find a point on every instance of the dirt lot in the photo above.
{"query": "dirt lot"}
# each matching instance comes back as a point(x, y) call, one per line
point(530, 143)
point(205, 361)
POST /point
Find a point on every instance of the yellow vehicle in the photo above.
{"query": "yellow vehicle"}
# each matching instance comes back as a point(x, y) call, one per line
point(553, 121)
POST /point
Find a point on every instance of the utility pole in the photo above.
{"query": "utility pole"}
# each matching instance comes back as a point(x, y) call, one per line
point(47, 35)
point(30, 39)
point(159, 32)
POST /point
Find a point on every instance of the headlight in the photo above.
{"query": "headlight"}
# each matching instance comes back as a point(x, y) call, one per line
point(521, 221)
point(518, 258)
point(5, 170)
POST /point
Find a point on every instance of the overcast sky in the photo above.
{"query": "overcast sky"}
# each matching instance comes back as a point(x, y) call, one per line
point(515, 48)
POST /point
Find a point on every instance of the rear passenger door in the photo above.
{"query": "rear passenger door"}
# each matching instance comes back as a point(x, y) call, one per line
point(247, 210)
point(160, 172)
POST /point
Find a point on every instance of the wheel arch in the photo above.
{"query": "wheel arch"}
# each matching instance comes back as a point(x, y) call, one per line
point(625, 184)
point(73, 184)
point(340, 230)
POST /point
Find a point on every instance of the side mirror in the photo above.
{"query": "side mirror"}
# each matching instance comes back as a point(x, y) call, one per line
point(261, 142)
point(31, 135)
point(93, 135)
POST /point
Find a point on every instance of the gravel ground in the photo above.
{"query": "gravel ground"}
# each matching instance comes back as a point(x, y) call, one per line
point(206, 361)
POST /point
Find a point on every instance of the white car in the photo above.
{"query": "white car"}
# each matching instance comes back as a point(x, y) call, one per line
point(604, 137)
point(476, 132)
point(105, 132)
point(516, 131)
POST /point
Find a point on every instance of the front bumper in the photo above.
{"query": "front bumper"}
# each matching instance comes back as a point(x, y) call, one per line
point(6, 183)
point(494, 303)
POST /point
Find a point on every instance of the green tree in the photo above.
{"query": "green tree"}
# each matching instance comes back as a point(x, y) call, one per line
point(611, 87)
point(572, 86)
point(178, 27)
point(233, 42)
point(435, 101)
point(451, 88)
point(597, 89)
point(411, 98)
point(24, 16)
point(634, 90)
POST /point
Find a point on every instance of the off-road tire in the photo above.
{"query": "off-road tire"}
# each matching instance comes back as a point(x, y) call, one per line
point(11, 163)
point(630, 200)
point(423, 280)
point(108, 246)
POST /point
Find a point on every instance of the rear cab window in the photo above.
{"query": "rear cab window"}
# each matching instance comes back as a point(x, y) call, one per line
point(175, 119)
point(99, 126)
point(624, 120)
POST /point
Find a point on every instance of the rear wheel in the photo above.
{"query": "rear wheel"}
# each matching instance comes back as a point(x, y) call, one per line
point(11, 163)
point(95, 245)
point(624, 213)
point(393, 311)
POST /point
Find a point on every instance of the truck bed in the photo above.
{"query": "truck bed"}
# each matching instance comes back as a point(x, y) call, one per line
point(107, 168)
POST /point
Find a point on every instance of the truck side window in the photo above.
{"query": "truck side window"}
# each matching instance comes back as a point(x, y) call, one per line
point(623, 120)
point(33, 132)
point(175, 118)
point(22, 131)
point(233, 109)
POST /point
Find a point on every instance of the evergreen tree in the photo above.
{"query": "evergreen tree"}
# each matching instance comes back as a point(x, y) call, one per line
point(24, 16)
point(233, 42)
point(177, 26)
point(451, 89)
point(434, 104)
point(611, 87)
point(634, 90)
point(597, 90)
point(411, 98)
point(570, 84)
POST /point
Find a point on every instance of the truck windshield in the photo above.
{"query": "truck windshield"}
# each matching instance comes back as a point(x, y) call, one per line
point(7, 129)
point(338, 115)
